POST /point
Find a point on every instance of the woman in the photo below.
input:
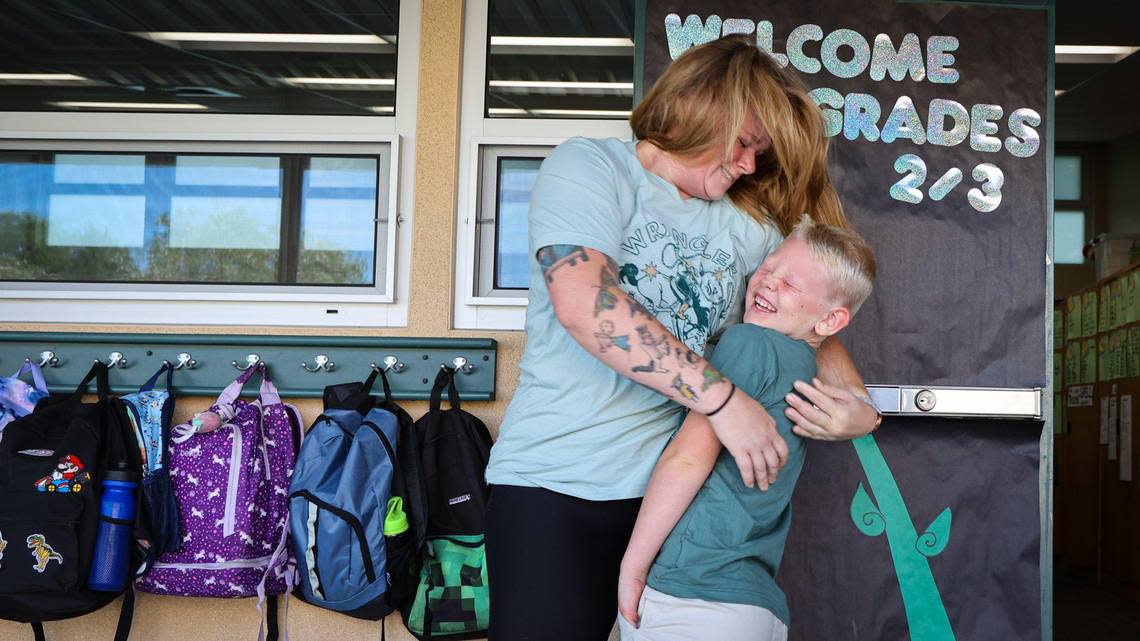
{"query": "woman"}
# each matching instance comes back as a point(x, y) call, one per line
point(640, 254)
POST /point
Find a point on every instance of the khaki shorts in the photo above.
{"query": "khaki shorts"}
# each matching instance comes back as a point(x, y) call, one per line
point(668, 618)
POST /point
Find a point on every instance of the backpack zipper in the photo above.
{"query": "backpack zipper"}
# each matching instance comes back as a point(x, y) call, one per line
point(259, 562)
point(353, 522)
point(384, 441)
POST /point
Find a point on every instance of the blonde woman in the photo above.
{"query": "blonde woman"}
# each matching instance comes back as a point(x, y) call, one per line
point(641, 250)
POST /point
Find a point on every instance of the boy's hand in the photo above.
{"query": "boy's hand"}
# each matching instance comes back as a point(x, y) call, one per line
point(748, 432)
point(830, 413)
point(630, 587)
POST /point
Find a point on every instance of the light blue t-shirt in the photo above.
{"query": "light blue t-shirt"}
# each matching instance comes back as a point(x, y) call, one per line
point(574, 425)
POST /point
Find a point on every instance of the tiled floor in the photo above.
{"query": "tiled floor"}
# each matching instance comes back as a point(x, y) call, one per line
point(1084, 613)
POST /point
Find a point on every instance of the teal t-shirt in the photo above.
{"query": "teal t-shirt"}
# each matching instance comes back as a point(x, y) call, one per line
point(728, 544)
point(575, 426)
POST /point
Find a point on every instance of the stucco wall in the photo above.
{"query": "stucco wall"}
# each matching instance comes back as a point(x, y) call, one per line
point(160, 618)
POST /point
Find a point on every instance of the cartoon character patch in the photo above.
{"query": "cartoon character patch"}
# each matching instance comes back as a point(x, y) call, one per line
point(42, 552)
point(3, 544)
point(67, 477)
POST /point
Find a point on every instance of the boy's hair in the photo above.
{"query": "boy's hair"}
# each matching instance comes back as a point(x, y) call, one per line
point(848, 258)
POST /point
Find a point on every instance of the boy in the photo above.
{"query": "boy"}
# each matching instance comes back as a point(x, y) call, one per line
point(715, 574)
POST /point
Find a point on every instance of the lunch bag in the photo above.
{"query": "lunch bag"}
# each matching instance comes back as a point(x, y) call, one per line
point(149, 411)
point(452, 599)
point(17, 398)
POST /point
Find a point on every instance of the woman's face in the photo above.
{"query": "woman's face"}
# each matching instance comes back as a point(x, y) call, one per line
point(710, 175)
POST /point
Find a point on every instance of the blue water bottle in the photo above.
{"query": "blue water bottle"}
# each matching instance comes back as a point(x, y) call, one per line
point(116, 531)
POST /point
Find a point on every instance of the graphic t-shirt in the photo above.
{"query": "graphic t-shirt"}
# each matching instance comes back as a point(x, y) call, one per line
point(728, 544)
point(574, 425)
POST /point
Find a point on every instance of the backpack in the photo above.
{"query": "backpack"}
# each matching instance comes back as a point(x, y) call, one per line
point(54, 460)
point(232, 488)
point(359, 455)
point(17, 398)
point(149, 411)
point(452, 599)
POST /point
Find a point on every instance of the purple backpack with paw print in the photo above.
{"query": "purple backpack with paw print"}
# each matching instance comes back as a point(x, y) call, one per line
point(232, 486)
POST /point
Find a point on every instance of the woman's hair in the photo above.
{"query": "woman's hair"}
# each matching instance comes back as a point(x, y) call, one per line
point(702, 100)
point(849, 260)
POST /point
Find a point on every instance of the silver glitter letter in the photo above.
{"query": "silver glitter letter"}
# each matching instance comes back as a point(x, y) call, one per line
point(904, 123)
point(981, 126)
point(861, 116)
point(737, 25)
point(936, 123)
point(764, 41)
point(796, 40)
point(829, 51)
point(1021, 124)
point(988, 197)
point(908, 58)
point(938, 60)
point(692, 33)
point(831, 101)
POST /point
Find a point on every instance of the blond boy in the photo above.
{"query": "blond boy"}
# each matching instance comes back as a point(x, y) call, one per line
point(702, 561)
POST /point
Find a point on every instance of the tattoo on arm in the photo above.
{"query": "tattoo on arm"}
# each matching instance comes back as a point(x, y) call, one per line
point(654, 348)
point(711, 377)
point(606, 338)
point(684, 389)
point(607, 299)
point(552, 257)
point(635, 308)
point(686, 357)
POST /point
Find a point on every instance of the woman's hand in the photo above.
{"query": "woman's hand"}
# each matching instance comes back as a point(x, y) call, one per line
point(749, 433)
point(830, 413)
point(630, 586)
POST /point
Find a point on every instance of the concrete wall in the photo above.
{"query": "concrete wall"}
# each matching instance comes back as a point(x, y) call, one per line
point(159, 618)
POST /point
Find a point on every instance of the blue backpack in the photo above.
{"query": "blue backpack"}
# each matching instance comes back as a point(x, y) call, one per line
point(338, 501)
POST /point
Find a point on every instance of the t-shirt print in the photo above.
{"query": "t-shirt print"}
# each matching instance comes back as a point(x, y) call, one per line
point(687, 282)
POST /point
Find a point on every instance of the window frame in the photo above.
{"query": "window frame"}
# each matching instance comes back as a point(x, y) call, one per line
point(162, 304)
point(477, 134)
point(1083, 204)
point(379, 292)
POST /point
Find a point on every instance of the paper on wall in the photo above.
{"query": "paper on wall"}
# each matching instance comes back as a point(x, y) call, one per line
point(1103, 440)
point(1126, 438)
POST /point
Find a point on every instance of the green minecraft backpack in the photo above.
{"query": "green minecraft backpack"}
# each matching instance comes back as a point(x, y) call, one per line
point(452, 599)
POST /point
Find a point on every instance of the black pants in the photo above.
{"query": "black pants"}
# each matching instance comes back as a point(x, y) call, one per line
point(552, 563)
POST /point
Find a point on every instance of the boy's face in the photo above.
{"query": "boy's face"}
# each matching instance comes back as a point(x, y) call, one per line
point(790, 293)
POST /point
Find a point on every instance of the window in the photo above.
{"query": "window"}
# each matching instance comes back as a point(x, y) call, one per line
point(259, 57)
point(508, 174)
point(534, 74)
point(560, 60)
point(1070, 224)
point(205, 167)
point(192, 218)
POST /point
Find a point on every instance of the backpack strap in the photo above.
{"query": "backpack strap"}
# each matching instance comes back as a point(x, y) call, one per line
point(37, 375)
point(126, 613)
point(233, 390)
point(149, 384)
point(38, 630)
point(445, 378)
point(268, 392)
point(98, 372)
point(384, 381)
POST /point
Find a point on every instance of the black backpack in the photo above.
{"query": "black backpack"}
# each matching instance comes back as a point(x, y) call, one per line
point(452, 599)
point(53, 461)
point(404, 555)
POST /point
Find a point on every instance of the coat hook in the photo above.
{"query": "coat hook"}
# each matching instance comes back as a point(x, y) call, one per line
point(322, 364)
point(184, 361)
point(461, 365)
point(251, 360)
point(391, 364)
point(47, 359)
point(116, 359)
